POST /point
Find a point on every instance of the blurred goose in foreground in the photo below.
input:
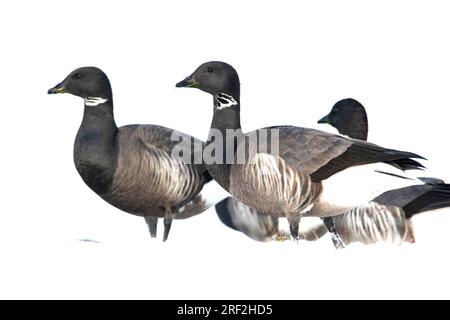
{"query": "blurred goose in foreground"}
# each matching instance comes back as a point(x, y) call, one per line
point(261, 227)
point(386, 217)
point(239, 217)
point(290, 181)
point(132, 167)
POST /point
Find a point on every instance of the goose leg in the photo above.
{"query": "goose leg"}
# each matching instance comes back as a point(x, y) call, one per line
point(337, 241)
point(152, 223)
point(167, 226)
point(294, 232)
point(294, 221)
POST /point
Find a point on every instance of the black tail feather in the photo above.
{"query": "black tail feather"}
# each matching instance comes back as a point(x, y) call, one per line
point(361, 153)
point(436, 198)
point(431, 180)
point(406, 164)
point(393, 175)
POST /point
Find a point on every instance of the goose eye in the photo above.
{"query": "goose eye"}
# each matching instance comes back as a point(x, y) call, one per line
point(210, 69)
point(78, 76)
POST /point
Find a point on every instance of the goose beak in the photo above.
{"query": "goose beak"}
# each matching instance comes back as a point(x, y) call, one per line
point(59, 88)
point(325, 119)
point(189, 82)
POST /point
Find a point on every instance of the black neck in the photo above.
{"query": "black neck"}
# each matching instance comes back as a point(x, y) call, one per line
point(95, 152)
point(99, 119)
point(227, 117)
point(360, 134)
point(224, 118)
point(356, 129)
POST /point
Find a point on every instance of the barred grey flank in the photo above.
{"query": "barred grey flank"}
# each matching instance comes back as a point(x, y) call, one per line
point(145, 175)
point(286, 192)
point(373, 223)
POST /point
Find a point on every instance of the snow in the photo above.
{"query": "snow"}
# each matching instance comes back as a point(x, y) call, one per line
point(302, 56)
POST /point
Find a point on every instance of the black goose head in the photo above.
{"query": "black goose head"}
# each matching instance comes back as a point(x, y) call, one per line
point(89, 83)
point(216, 78)
point(349, 117)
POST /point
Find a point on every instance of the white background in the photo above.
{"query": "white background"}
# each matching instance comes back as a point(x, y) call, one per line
point(295, 59)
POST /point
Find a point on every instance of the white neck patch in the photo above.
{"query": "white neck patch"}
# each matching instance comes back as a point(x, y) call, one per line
point(224, 100)
point(94, 101)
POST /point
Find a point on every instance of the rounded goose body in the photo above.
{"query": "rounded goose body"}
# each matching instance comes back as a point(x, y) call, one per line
point(131, 167)
point(387, 217)
point(285, 184)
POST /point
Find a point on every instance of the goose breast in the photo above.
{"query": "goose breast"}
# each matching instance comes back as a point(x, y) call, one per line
point(373, 223)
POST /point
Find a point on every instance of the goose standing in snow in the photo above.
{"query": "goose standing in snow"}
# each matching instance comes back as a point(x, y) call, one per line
point(286, 184)
point(386, 217)
point(131, 167)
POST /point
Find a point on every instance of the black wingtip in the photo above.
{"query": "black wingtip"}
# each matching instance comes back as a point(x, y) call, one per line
point(437, 197)
point(393, 174)
point(415, 156)
point(405, 164)
point(431, 180)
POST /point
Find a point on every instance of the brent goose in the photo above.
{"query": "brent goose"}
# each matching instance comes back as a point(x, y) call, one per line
point(349, 117)
point(287, 182)
point(239, 217)
point(260, 227)
point(132, 167)
point(386, 217)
